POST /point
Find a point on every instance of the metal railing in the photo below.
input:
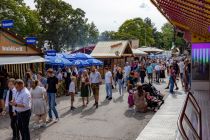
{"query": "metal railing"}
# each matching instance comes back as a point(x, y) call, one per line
point(197, 134)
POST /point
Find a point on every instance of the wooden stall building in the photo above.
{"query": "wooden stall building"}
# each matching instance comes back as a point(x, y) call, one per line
point(16, 56)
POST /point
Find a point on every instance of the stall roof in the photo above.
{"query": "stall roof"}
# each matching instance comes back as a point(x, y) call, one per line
point(138, 52)
point(150, 50)
point(187, 15)
point(112, 49)
point(20, 60)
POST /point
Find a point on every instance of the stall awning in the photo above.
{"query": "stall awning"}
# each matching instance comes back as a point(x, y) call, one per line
point(6, 60)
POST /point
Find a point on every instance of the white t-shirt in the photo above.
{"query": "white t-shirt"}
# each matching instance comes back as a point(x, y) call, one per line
point(72, 87)
point(108, 77)
point(157, 68)
point(181, 67)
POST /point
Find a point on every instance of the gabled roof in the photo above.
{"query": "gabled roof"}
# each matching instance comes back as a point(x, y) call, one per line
point(112, 49)
point(20, 40)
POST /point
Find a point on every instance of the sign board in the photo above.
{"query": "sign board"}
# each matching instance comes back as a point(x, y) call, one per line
point(11, 49)
point(51, 53)
point(7, 24)
point(31, 40)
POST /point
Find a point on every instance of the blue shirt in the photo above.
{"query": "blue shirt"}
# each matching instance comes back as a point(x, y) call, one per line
point(149, 69)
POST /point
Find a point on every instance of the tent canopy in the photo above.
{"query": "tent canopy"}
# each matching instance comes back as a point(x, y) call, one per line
point(20, 59)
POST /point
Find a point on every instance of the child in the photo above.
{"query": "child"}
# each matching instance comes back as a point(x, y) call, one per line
point(11, 93)
point(130, 96)
point(72, 90)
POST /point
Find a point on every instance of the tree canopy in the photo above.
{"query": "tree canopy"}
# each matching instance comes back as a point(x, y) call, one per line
point(53, 21)
point(145, 31)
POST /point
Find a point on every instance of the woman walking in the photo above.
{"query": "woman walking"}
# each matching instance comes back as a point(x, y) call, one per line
point(119, 77)
point(39, 103)
point(142, 73)
point(85, 83)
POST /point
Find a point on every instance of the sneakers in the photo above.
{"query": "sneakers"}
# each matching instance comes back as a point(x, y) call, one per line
point(110, 98)
point(56, 120)
point(167, 88)
point(36, 126)
point(49, 120)
point(107, 97)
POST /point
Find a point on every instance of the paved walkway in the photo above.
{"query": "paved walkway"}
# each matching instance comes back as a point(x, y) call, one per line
point(111, 121)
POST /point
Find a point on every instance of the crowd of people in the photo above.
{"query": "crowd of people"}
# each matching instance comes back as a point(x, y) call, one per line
point(36, 93)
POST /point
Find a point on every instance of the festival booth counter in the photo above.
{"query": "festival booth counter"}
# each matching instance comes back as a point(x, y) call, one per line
point(16, 56)
point(113, 52)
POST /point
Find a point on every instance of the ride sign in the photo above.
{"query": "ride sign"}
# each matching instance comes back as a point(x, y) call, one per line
point(51, 53)
point(31, 40)
point(7, 23)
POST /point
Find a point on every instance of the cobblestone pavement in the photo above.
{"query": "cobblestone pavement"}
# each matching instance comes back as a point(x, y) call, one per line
point(111, 121)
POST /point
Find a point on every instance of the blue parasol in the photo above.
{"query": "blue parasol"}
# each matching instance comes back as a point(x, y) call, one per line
point(80, 63)
point(81, 56)
point(94, 62)
point(66, 56)
point(57, 61)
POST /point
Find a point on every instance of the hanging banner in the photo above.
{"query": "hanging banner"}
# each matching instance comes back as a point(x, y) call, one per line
point(51, 53)
point(31, 40)
point(7, 23)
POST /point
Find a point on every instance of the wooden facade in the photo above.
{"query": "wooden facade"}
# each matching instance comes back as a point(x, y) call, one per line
point(14, 46)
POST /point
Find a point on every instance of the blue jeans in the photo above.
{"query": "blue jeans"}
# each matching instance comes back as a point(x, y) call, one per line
point(51, 101)
point(109, 89)
point(120, 84)
point(171, 87)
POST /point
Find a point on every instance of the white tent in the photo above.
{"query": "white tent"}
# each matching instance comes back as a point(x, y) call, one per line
point(150, 50)
point(138, 52)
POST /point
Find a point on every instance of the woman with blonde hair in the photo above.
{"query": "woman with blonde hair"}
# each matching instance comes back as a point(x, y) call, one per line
point(85, 82)
point(39, 103)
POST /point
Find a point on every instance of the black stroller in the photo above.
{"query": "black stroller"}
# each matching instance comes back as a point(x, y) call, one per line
point(155, 99)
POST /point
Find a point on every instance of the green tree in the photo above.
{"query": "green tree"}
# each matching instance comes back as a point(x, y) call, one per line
point(168, 37)
point(93, 33)
point(106, 36)
point(26, 21)
point(63, 26)
point(136, 29)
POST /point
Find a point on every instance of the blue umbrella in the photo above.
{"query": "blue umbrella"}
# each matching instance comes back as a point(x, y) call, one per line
point(94, 62)
point(58, 61)
point(81, 56)
point(80, 63)
point(65, 55)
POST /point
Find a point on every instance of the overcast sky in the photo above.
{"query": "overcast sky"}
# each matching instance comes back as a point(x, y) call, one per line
point(110, 14)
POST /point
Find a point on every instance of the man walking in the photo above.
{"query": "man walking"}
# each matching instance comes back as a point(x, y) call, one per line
point(108, 83)
point(13, 117)
point(22, 103)
point(157, 70)
point(149, 73)
point(52, 86)
point(95, 80)
point(127, 70)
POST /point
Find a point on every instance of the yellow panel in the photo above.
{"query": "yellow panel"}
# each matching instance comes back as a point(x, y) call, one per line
point(179, 25)
point(197, 39)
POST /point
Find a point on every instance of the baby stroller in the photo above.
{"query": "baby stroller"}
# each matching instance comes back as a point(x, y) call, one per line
point(154, 99)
